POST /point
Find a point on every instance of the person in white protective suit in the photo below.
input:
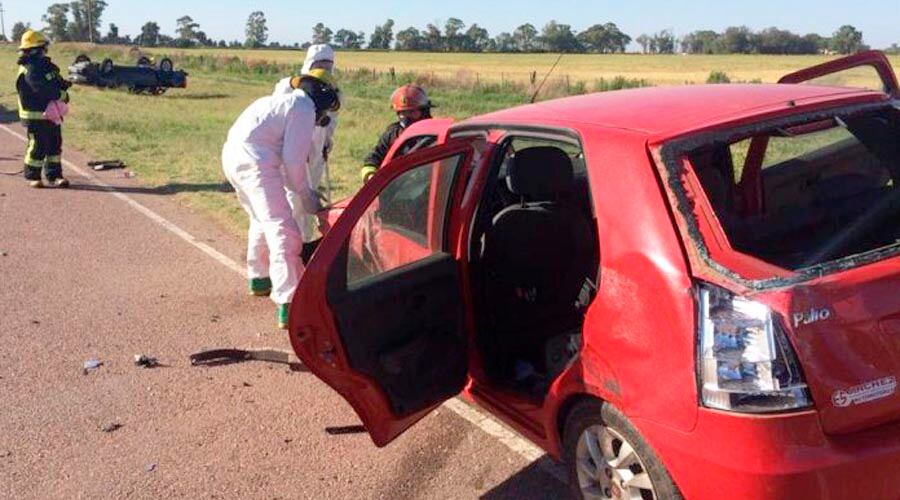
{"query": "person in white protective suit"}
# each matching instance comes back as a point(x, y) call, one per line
point(264, 158)
point(318, 57)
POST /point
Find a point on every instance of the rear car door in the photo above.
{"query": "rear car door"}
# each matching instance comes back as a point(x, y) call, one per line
point(378, 314)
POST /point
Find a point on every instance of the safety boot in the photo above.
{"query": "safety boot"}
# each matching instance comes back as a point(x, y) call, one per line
point(61, 183)
point(283, 316)
point(260, 287)
point(36, 184)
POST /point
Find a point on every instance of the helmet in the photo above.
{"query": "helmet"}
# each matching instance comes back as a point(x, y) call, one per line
point(409, 97)
point(32, 39)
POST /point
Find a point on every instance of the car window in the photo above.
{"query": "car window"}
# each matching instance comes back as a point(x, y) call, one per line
point(416, 143)
point(827, 189)
point(405, 223)
point(523, 142)
point(783, 149)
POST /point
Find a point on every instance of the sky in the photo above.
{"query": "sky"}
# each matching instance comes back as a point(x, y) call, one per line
point(291, 21)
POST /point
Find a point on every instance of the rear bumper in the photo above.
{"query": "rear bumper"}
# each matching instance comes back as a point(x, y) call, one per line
point(777, 457)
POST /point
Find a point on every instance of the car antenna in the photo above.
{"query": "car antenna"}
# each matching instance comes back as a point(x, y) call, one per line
point(538, 90)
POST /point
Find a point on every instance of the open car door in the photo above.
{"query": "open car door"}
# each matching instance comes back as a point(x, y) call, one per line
point(420, 135)
point(872, 58)
point(750, 183)
point(379, 314)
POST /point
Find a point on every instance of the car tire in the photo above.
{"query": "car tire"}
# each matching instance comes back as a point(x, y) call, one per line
point(106, 67)
point(82, 58)
point(610, 431)
point(166, 65)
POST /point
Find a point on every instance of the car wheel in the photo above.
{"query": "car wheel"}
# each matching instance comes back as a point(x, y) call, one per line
point(106, 67)
point(606, 457)
point(82, 58)
point(166, 65)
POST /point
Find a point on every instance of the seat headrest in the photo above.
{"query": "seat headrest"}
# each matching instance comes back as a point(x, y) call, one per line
point(540, 172)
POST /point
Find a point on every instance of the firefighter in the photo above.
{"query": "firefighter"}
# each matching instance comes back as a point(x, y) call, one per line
point(264, 158)
point(41, 89)
point(411, 104)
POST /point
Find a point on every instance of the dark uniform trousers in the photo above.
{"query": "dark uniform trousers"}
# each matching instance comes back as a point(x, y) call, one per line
point(44, 150)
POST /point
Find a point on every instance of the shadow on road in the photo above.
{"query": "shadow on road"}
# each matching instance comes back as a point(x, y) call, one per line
point(534, 481)
point(167, 189)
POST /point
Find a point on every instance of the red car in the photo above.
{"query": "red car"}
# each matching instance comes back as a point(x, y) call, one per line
point(678, 292)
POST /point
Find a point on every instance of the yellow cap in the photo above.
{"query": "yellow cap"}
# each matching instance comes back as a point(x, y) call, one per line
point(32, 39)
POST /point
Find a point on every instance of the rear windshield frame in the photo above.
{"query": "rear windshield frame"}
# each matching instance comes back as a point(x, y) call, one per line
point(674, 151)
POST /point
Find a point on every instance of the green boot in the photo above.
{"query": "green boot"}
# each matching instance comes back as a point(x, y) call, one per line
point(260, 287)
point(283, 316)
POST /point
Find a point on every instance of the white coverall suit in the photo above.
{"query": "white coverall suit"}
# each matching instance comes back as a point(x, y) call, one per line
point(264, 157)
point(320, 147)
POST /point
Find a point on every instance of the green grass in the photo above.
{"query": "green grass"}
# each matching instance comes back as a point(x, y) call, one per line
point(173, 142)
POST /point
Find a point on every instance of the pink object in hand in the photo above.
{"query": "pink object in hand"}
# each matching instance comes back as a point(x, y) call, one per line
point(55, 112)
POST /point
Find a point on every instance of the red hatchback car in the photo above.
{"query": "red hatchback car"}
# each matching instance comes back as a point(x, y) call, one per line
point(678, 292)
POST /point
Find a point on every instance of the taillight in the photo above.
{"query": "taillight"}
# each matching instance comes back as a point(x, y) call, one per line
point(745, 362)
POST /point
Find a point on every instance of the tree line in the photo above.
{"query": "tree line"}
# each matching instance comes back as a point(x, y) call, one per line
point(79, 20)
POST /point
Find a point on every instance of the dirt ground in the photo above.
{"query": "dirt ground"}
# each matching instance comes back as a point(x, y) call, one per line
point(85, 275)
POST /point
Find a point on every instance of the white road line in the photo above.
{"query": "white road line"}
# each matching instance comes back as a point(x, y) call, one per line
point(511, 440)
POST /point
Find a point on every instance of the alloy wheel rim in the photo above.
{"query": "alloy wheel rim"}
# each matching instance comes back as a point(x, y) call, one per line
point(608, 467)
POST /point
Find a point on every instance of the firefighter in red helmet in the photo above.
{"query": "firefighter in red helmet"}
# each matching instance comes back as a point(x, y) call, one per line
point(411, 104)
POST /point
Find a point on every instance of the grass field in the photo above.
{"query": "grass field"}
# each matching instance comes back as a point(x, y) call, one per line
point(173, 142)
point(658, 69)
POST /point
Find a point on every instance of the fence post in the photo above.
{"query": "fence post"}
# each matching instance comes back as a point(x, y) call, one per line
point(533, 77)
point(393, 75)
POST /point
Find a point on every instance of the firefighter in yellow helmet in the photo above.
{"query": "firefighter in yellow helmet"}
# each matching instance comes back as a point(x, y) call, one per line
point(42, 94)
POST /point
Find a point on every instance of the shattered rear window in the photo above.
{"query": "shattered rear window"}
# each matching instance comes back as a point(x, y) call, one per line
point(807, 193)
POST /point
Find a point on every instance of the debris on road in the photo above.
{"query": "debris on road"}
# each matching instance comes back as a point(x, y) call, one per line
point(128, 174)
point(110, 427)
point(345, 429)
point(150, 467)
point(92, 364)
point(218, 357)
point(145, 361)
point(106, 164)
point(4, 253)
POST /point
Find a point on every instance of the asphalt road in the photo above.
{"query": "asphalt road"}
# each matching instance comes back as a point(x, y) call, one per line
point(85, 275)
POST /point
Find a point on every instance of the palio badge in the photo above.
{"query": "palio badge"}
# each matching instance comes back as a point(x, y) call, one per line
point(863, 393)
point(814, 315)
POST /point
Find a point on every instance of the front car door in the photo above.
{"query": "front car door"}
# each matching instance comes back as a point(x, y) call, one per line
point(379, 314)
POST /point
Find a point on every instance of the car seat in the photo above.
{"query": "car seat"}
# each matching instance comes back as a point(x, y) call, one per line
point(537, 255)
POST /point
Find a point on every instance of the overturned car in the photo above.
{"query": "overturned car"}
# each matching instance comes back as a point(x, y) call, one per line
point(145, 77)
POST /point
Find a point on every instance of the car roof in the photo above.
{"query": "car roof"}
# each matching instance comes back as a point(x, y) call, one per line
point(666, 110)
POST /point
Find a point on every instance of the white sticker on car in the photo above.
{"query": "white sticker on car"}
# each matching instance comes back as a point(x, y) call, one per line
point(864, 393)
